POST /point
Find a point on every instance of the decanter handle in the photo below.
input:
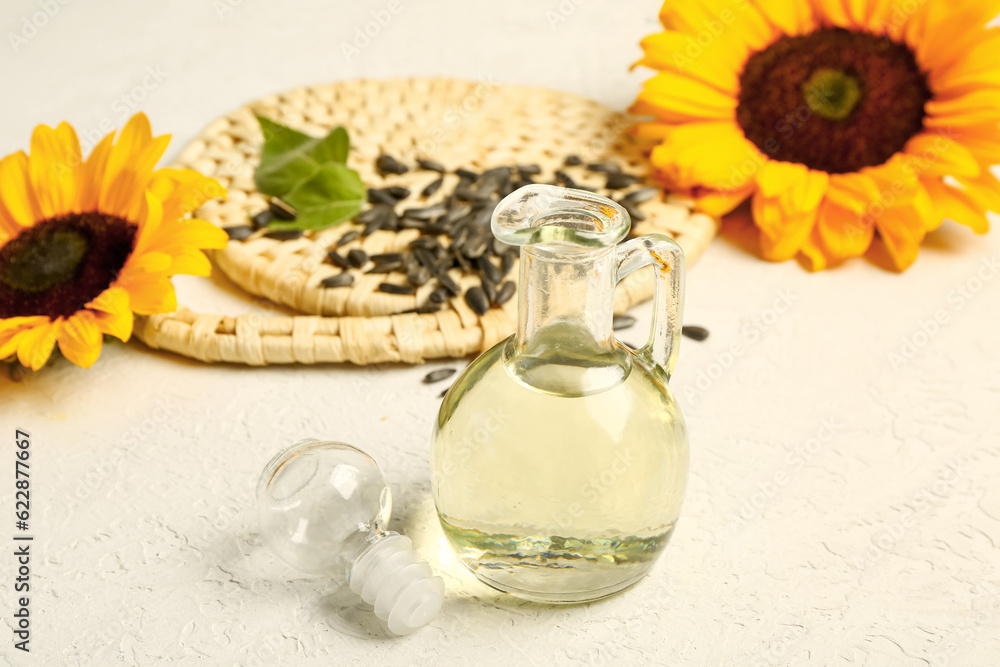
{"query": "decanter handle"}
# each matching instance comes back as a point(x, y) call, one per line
point(667, 260)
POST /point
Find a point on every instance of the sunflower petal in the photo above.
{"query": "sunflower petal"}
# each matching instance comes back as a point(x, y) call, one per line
point(129, 168)
point(714, 155)
point(782, 232)
point(854, 192)
point(11, 327)
point(93, 173)
point(716, 64)
point(149, 293)
point(675, 97)
point(80, 339)
point(151, 262)
point(942, 33)
point(742, 21)
point(790, 18)
point(941, 156)
point(112, 313)
point(191, 263)
point(719, 202)
point(844, 234)
point(54, 168)
point(901, 232)
point(18, 204)
point(786, 205)
point(34, 346)
point(956, 205)
point(183, 190)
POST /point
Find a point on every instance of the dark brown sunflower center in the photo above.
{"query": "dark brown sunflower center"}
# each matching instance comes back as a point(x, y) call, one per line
point(833, 100)
point(61, 264)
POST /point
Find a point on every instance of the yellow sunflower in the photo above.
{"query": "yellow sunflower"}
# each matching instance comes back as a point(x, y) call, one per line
point(848, 123)
point(84, 244)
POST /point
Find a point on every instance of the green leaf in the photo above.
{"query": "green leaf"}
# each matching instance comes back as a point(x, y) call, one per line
point(334, 146)
point(333, 194)
point(289, 157)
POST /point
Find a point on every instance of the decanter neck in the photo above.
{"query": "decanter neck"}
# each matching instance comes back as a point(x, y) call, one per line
point(566, 301)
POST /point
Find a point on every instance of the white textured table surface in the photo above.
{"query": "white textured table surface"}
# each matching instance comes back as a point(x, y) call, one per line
point(843, 509)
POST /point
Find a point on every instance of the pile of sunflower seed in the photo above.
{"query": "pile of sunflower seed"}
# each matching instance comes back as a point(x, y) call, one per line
point(454, 233)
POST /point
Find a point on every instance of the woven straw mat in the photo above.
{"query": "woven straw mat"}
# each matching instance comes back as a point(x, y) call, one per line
point(476, 125)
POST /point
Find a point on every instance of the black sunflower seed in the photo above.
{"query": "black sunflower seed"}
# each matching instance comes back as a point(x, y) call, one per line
point(440, 295)
point(430, 165)
point(449, 284)
point(617, 181)
point(641, 195)
point(489, 289)
point(397, 192)
point(438, 375)
point(380, 196)
point(505, 292)
point(386, 266)
point(386, 164)
point(604, 167)
point(444, 393)
point(370, 214)
point(387, 257)
point(284, 234)
point(348, 237)
point(357, 258)
point(573, 161)
point(374, 226)
point(239, 232)
point(462, 261)
point(526, 170)
point(419, 276)
point(467, 175)
point(488, 269)
point(476, 299)
point(340, 280)
point(410, 223)
point(456, 213)
point(392, 288)
point(427, 212)
point(565, 179)
point(262, 219)
point(337, 259)
point(694, 332)
point(633, 211)
point(622, 322)
point(391, 221)
point(475, 245)
point(425, 257)
point(282, 210)
point(458, 237)
point(432, 187)
point(507, 262)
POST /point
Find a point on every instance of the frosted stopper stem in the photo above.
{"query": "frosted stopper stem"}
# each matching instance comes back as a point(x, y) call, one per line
point(391, 576)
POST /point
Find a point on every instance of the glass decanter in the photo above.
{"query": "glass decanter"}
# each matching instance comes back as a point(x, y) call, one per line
point(560, 459)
